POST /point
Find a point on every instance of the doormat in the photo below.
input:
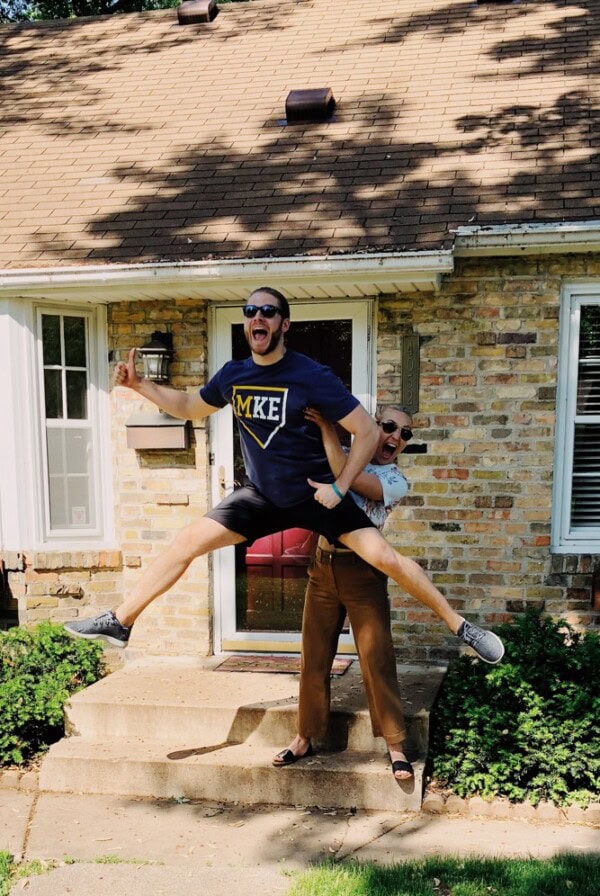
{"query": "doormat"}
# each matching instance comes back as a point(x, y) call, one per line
point(274, 663)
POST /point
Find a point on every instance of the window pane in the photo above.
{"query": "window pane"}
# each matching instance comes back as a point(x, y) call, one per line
point(588, 383)
point(75, 348)
point(71, 502)
point(76, 394)
point(588, 388)
point(58, 504)
point(589, 337)
point(53, 394)
point(585, 498)
point(51, 338)
point(79, 502)
point(78, 448)
point(56, 452)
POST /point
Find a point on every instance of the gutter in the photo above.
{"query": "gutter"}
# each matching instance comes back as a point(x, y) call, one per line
point(527, 239)
point(372, 273)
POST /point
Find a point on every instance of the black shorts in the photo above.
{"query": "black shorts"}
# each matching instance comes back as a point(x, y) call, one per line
point(250, 514)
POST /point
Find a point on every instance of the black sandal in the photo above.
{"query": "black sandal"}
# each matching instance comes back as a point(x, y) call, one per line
point(400, 765)
point(286, 757)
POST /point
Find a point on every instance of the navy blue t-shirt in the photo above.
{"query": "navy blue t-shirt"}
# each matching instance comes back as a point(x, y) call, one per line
point(280, 447)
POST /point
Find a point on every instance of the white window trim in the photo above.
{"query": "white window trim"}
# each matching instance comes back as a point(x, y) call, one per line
point(564, 539)
point(22, 504)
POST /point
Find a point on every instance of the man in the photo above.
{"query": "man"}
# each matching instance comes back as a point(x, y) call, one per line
point(291, 484)
point(341, 583)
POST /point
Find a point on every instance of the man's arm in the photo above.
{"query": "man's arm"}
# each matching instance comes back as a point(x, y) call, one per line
point(364, 430)
point(178, 404)
point(366, 484)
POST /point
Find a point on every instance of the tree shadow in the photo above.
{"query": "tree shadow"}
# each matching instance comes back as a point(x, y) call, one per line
point(299, 194)
point(562, 44)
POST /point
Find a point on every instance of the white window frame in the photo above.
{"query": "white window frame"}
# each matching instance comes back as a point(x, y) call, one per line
point(565, 538)
point(23, 495)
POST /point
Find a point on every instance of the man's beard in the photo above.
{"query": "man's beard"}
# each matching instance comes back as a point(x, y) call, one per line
point(273, 343)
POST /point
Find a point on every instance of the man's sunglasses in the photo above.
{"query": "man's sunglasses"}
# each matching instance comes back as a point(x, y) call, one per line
point(267, 311)
point(390, 426)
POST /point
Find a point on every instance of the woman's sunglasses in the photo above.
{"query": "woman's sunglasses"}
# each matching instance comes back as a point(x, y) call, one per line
point(267, 311)
point(390, 426)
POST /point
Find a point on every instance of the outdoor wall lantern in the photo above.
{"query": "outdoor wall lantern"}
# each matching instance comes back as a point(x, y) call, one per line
point(156, 356)
point(157, 430)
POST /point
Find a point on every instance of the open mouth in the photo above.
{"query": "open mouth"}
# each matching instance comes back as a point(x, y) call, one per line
point(260, 334)
point(387, 450)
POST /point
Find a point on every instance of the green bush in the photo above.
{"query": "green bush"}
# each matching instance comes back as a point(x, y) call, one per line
point(528, 728)
point(39, 669)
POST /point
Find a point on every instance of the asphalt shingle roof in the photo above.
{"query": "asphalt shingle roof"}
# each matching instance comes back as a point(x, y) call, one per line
point(130, 138)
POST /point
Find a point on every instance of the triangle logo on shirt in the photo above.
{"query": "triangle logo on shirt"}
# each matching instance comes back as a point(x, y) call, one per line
point(260, 410)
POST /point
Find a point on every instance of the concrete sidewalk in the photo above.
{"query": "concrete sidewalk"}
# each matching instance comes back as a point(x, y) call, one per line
point(186, 848)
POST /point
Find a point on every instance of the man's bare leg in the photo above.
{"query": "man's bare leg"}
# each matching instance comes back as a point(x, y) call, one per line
point(372, 547)
point(115, 627)
point(199, 538)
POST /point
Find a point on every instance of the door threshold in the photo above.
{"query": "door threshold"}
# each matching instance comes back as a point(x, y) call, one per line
point(291, 647)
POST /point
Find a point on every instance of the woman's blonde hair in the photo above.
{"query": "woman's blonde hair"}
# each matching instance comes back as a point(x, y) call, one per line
point(381, 409)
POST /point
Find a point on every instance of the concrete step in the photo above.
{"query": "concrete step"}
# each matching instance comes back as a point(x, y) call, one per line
point(206, 707)
point(226, 772)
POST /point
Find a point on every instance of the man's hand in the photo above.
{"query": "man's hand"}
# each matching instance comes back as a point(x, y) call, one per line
point(126, 374)
point(325, 494)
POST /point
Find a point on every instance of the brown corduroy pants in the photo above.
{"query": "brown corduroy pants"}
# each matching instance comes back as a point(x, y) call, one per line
point(338, 583)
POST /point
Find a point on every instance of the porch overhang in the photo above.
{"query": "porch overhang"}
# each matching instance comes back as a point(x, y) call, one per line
point(335, 277)
point(527, 239)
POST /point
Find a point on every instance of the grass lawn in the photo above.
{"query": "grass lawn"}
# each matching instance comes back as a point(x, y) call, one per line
point(566, 875)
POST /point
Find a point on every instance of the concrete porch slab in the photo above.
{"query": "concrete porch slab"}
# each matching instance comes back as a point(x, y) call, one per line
point(208, 706)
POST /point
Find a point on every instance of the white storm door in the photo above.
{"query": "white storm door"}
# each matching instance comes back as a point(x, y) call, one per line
point(251, 612)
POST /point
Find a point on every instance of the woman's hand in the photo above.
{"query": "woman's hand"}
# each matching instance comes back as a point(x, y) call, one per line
point(315, 416)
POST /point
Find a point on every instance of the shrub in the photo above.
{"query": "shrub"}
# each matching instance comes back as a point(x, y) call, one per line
point(39, 669)
point(528, 728)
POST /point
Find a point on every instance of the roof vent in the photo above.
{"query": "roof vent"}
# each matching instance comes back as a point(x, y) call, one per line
point(317, 104)
point(194, 11)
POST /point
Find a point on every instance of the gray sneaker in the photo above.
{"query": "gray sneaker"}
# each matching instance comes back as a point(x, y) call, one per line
point(105, 626)
point(486, 645)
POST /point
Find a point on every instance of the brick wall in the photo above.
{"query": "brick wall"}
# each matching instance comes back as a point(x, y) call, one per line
point(478, 517)
point(159, 492)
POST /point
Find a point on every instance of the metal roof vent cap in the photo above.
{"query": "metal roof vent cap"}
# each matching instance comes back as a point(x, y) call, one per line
point(316, 104)
point(194, 11)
